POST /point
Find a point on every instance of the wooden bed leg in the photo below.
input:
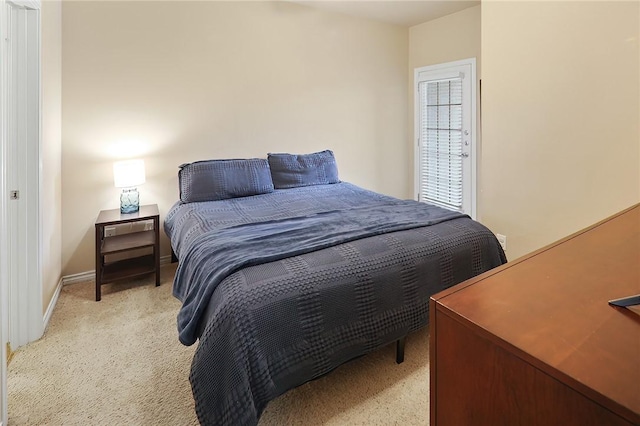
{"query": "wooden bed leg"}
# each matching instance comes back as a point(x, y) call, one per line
point(400, 349)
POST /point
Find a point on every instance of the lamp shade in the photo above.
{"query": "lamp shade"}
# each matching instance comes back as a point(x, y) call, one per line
point(128, 173)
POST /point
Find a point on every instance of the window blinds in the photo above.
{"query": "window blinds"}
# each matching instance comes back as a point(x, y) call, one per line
point(441, 143)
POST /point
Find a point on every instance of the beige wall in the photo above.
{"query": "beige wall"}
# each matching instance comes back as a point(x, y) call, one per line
point(450, 38)
point(51, 198)
point(175, 82)
point(560, 117)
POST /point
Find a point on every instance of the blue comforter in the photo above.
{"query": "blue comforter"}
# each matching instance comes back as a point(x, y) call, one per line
point(281, 288)
point(217, 253)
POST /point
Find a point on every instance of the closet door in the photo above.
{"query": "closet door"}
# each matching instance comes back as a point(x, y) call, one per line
point(22, 173)
point(21, 318)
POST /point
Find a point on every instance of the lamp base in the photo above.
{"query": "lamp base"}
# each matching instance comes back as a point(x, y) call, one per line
point(129, 201)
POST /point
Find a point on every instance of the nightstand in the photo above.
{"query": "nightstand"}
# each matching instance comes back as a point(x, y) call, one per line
point(110, 271)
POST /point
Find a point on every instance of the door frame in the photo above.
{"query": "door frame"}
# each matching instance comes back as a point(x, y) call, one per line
point(4, 243)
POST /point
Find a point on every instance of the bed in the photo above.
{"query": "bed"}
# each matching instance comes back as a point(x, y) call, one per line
point(285, 273)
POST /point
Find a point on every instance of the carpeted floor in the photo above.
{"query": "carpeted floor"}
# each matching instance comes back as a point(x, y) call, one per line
point(119, 361)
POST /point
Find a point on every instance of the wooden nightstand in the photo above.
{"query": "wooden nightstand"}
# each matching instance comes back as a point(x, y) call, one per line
point(132, 267)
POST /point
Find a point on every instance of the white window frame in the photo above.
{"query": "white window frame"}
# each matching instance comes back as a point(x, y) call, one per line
point(442, 71)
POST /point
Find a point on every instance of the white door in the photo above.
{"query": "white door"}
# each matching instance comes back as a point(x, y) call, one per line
point(22, 172)
point(20, 275)
point(445, 130)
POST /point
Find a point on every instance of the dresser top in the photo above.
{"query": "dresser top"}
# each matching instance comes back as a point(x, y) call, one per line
point(552, 306)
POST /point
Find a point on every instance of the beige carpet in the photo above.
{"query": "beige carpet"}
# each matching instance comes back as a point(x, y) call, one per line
point(118, 361)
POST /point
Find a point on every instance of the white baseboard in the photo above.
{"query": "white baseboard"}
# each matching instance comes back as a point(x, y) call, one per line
point(91, 275)
point(52, 305)
point(80, 277)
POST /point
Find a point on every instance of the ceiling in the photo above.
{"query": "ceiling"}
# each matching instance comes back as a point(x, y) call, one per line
point(399, 12)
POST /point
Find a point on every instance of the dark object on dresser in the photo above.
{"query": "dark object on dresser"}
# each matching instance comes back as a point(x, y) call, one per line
point(624, 302)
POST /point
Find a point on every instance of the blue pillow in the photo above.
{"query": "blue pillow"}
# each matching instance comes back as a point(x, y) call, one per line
point(291, 170)
point(214, 180)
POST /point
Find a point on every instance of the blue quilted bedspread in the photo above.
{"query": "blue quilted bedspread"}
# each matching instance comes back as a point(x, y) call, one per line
point(281, 288)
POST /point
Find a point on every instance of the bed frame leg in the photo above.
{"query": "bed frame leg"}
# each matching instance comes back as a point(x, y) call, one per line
point(400, 349)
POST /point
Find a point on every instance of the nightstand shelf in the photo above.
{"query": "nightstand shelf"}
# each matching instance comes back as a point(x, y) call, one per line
point(125, 242)
point(128, 268)
point(116, 270)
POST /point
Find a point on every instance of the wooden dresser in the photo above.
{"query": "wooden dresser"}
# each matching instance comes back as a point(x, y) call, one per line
point(534, 342)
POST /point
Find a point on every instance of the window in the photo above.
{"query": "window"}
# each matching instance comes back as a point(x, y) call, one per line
point(445, 132)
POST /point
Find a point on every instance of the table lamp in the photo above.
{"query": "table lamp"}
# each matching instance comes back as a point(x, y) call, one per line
point(127, 175)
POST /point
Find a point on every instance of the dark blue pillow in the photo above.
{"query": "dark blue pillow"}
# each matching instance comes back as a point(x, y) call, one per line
point(213, 180)
point(291, 170)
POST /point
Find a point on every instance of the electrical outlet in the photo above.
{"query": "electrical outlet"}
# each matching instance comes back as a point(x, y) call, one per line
point(502, 239)
point(109, 231)
point(148, 226)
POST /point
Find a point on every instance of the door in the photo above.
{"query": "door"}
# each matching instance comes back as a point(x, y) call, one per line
point(445, 129)
point(22, 174)
point(21, 318)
